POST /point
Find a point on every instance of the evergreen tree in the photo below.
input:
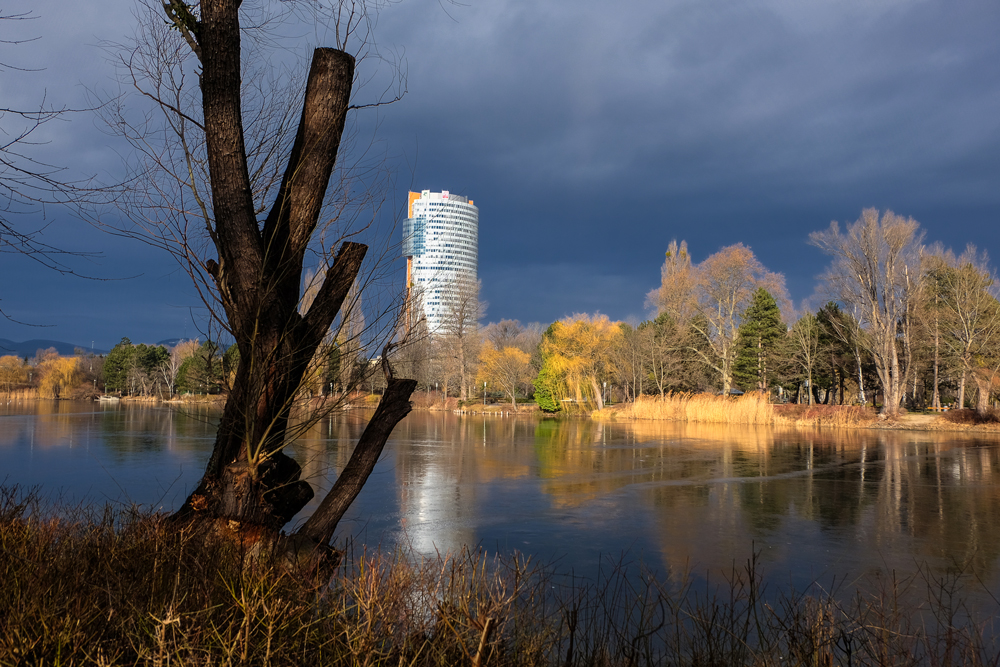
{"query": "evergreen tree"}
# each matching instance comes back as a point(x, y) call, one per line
point(759, 335)
point(545, 390)
point(117, 365)
point(547, 381)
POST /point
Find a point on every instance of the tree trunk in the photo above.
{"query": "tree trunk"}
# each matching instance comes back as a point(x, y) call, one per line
point(861, 377)
point(395, 405)
point(936, 401)
point(983, 386)
point(249, 482)
point(598, 396)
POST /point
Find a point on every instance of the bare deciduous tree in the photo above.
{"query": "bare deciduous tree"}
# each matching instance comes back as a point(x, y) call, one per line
point(874, 273)
point(238, 190)
point(458, 336)
point(965, 289)
point(718, 291)
point(805, 348)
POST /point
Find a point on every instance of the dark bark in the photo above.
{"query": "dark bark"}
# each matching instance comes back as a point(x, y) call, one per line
point(249, 482)
point(395, 405)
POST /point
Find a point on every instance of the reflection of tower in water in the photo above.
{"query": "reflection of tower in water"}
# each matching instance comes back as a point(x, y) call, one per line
point(435, 478)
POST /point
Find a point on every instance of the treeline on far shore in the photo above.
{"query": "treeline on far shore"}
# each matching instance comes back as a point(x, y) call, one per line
point(138, 371)
point(903, 325)
point(906, 326)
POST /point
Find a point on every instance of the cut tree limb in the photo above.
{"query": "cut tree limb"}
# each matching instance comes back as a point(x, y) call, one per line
point(395, 405)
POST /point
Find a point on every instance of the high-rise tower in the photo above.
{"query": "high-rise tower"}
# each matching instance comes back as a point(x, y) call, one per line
point(441, 246)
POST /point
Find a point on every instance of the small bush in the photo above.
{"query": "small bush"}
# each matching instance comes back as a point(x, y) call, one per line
point(971, 417)
point(826, 415)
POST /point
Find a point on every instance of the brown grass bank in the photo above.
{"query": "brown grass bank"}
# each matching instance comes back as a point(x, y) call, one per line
point(118, 587)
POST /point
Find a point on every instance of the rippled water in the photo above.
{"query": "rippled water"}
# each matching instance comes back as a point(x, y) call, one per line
point(814, 504)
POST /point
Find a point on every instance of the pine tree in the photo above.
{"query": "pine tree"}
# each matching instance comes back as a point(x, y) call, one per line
point(759, 335)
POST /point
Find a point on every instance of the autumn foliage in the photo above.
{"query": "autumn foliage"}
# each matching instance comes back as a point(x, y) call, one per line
point(58, 376)
point(576, 351)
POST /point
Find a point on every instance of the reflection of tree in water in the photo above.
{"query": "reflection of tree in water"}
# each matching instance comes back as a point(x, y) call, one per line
point(127, 430)
point(121, 431)
point(896, 499)
point(887, 499)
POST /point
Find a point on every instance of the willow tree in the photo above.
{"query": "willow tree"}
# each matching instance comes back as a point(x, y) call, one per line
point(576, 352)
point(243, 209)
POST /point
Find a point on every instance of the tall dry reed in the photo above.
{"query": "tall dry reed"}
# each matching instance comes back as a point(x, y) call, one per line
point(17, 395)
point(120, 587)
point(752, 408)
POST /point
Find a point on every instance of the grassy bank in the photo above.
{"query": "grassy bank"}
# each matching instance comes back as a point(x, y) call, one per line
point(111, 587)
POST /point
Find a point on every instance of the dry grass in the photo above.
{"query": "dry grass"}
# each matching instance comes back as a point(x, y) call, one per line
point(752, 408)
point(971, 417)
point(120, 588)
point(825, 415)
point(18, 395)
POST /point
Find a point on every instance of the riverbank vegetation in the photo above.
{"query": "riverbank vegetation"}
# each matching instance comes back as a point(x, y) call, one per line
point(722, 325)
point(905, 326)
point(750, 409)
point(108, 586)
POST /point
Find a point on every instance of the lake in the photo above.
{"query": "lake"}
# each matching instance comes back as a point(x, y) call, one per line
point(818, 506)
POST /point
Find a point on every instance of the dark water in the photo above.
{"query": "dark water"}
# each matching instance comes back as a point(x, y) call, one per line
point(816, 505)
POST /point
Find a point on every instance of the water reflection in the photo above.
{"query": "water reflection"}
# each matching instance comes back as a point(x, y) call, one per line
point(683, 497)
point(816, 502)
point(82, 451)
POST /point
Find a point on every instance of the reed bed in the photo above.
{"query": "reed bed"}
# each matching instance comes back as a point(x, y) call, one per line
point(119, 587)
point(752, 408)
point(18, 395)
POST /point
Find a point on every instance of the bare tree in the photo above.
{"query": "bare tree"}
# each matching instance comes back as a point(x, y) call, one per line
point(678, 279)
point(627, 363)
point(458, 335)
point(876, 264)
point(244, 220)
point(965, 287)
point(723, 287)
point(805, 346)
point(508, 368)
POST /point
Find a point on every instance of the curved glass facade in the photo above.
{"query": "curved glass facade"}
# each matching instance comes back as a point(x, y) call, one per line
point(441, 244)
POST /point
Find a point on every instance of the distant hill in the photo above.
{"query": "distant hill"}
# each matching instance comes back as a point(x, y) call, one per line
point(28, 348)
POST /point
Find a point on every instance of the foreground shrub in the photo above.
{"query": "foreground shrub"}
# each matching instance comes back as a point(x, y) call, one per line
point(120, 587)
point(826, 415)
point(971, 417)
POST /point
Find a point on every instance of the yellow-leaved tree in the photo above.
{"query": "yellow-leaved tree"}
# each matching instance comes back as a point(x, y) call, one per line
point(58, 376)
point(13, 372)
point(507, 368)
point(576, 352)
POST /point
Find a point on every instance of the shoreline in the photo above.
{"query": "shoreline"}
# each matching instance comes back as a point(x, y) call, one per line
point(910, 421)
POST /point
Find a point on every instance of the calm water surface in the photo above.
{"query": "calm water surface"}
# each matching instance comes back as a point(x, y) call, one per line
point(814, 504)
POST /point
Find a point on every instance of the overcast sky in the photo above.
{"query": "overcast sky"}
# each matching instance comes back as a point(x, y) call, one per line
point(589, 134)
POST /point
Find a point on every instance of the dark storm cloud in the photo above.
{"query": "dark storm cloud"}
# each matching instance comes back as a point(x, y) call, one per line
point(591, 133)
